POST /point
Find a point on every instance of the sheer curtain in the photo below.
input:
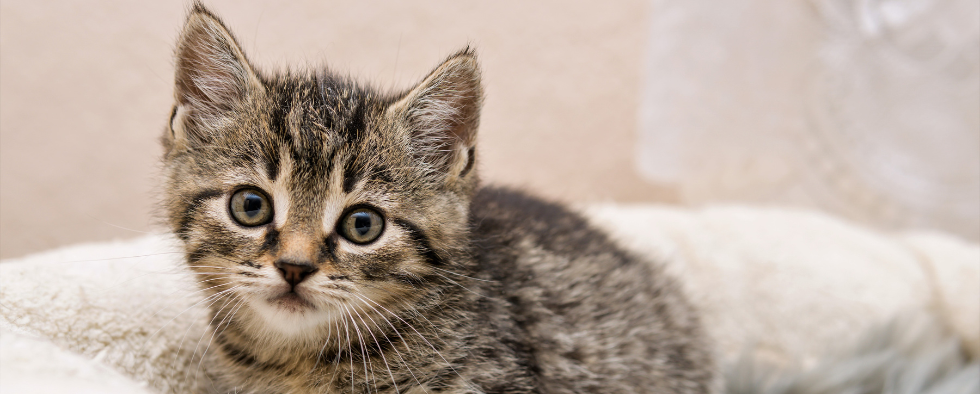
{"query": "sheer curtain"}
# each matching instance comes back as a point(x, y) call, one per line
point(869, 109)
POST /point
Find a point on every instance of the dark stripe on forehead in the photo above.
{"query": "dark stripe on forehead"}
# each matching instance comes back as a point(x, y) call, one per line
point(382, 174)
point(272, 164)
point(343, 106)
point(328, 90)
point(355, 124)
point(351, 174)
point(420, 241)
point(282, 136)
point(278, 123)
point(328, 165)
point(354, 133)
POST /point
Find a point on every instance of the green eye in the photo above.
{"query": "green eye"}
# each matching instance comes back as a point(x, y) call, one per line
point(362, 225)
point(250, 207)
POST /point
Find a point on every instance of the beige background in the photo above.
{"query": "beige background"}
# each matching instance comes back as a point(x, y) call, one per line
point(86, 89)
point(678, 101)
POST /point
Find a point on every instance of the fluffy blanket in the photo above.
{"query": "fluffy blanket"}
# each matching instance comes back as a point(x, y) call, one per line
point(784, 287)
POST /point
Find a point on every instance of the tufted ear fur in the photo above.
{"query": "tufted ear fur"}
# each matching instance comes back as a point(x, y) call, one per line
point(443, 114)
point(213, 77)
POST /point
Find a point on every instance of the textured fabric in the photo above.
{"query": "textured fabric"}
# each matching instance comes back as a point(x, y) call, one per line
point(124, 304)
point(790, 285)
point(35, 365)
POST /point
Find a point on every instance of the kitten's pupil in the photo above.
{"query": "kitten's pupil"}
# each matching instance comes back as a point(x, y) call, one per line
point(252, 204)
point(362, 223)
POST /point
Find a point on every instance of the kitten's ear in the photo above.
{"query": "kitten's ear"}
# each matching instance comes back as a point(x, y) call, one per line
point(212, 74)
point(443, 113)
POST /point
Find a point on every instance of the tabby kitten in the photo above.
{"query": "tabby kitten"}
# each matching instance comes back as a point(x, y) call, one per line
point(346, 245)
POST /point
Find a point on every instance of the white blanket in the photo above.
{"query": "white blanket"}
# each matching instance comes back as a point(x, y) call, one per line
point(124, 316)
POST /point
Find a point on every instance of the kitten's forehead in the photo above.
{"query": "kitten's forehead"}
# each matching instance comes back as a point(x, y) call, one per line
point(311, 110)
point(313, 118)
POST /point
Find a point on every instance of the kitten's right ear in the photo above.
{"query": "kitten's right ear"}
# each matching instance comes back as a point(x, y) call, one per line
point(213, 76)
point(443, 114)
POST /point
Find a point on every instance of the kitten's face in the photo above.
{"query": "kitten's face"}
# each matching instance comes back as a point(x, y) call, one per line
point(304, 198)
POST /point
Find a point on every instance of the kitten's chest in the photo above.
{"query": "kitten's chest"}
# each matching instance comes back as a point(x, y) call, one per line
point(412, 365)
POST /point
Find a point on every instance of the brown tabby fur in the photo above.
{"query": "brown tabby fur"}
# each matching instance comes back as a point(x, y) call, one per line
point(469, 289)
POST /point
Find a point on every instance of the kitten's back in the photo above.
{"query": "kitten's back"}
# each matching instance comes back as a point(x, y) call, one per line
point(590, 316)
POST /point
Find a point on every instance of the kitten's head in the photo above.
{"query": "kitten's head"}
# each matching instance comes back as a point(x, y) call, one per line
point(302, 193)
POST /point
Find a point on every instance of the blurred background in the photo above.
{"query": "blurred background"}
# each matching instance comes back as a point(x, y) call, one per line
point(867, 109)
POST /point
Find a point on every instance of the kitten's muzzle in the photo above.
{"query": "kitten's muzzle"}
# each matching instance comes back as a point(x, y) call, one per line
point(294, 272)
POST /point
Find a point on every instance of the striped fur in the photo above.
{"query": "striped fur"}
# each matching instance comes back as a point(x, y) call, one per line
point(467, 290)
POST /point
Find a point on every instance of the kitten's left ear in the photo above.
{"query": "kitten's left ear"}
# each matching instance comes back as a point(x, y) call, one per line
point(443, 113)
point(212, 79)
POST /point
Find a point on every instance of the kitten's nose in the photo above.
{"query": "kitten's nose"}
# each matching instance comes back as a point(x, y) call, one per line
point(294, 272)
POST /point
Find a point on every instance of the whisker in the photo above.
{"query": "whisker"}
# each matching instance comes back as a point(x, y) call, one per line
point(468, 277)
point(184, 336)
point(336, 360)
point(121, 227)
point(209, 266)
point(350, 354)
point(182, 312)
point(378, 345)
point(421, 336)
point(167, 298)
point(324, 347)
point(115, 258)
point(215, 331)
point(395, 348)
point(461, 286)
point(360, 341)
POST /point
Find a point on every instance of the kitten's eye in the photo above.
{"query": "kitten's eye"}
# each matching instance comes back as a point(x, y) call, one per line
point(250, 207)
point(362, 225)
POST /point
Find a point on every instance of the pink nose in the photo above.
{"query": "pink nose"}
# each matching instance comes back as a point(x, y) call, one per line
point(294, 272)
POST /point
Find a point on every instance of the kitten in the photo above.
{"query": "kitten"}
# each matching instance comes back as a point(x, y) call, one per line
point(346, 245)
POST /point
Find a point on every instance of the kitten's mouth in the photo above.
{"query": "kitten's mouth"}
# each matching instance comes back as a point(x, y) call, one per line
point(291, 301)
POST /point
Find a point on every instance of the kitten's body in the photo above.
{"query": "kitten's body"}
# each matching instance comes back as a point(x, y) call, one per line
point(549, 306)
point(465, 290)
